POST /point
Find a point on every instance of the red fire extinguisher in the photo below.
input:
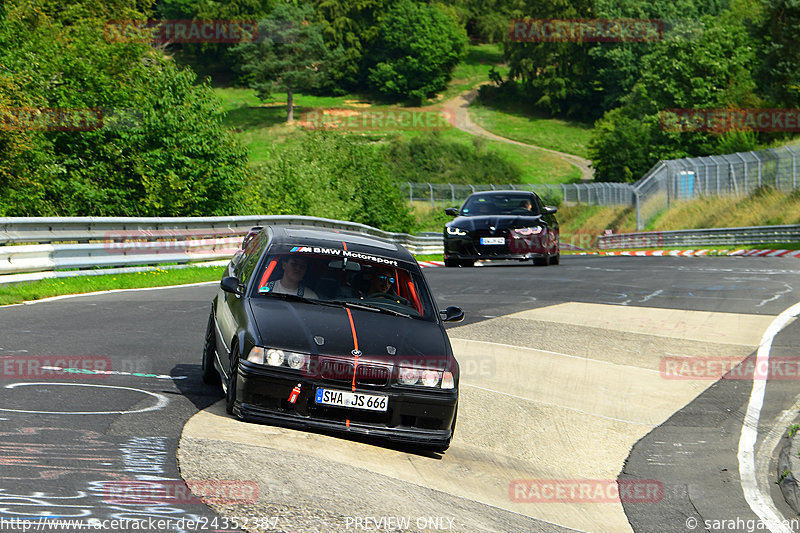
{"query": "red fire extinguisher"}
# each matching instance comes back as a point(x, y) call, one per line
point(295, 393)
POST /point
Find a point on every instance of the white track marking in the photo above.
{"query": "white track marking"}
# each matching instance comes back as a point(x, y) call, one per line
point(160, 404)
point(760, 503)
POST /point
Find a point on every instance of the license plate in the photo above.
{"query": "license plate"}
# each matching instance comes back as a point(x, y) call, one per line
point(354, 400)
point(493, 240)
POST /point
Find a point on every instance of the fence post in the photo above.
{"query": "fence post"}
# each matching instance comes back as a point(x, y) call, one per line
point(777, 167)
point(794, 168)
point(433, 205)
point(453, 193)
point(410, 193)
point(638, 210)
point(745, 173)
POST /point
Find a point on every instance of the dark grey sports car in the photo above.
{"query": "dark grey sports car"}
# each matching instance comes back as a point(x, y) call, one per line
point(501, 225)
point(337, 331)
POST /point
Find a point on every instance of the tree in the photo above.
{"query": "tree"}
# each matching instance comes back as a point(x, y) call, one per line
point(780, 71)
point(706, 65)
point(415, 52)
point(160, 148)
point(290, 54)
point(354, 27)
point(329, 175)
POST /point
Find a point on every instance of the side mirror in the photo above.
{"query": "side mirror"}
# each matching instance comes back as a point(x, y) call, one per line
point(452, 314)
point(550, 210)
point(230, 284)
point(452, 211)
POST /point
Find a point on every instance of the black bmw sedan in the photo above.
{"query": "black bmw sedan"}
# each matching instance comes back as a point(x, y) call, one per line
point(337, 331)
point(501, 225)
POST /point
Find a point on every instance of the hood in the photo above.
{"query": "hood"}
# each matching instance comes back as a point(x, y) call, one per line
point(294, 326)
point(499, 222)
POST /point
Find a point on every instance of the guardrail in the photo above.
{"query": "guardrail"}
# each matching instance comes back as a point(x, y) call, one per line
point(702, 237)
point(38, 248)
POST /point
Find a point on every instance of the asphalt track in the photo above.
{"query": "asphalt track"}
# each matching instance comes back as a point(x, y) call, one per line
point(564, 380)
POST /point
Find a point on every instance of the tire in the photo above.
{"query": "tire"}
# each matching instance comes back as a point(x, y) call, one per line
point(230, 395)
point(451, 262)
point(467, 263)
point(210, 374)
point(556, 259)
point(541, 261)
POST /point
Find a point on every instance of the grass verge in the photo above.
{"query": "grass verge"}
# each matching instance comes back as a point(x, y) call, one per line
point(14, 293)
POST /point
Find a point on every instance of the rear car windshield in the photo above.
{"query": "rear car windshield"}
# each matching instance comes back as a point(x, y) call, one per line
point(500, 205)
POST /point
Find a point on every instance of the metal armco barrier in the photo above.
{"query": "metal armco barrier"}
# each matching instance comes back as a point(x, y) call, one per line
point(702, 237)
point(37, 248)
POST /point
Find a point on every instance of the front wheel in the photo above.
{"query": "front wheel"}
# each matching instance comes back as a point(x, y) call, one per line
point(210, 374)
point(230, 396)
point(556, 259)
point(541, 261)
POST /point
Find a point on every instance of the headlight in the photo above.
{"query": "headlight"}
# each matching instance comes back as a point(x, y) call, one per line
point(256, 355)
point(409, 376)
point(447, 381)
point(430, 378)
point(529, 231)
point(295, 360)
point(455, 231)
point(418, 376)
point(276, 357)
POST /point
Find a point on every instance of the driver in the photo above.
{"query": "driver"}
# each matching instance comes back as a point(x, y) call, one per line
point(381, 283)
point(294, 270)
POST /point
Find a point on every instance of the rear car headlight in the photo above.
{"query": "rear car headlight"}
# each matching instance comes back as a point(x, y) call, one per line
point(455, 231)
point(529, 231)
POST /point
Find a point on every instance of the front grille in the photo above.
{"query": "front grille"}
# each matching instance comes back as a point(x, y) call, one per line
point(367, 375)
point(372, 376)
point(490, 249)
point(331, 370)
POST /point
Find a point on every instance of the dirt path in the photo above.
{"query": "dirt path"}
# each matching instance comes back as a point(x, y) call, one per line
point(459, 105)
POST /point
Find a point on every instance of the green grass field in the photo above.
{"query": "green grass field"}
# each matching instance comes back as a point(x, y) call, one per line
point(14, 293)
point(513, 121)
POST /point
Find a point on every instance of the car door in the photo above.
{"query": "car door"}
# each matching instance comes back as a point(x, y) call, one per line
point(229, 311)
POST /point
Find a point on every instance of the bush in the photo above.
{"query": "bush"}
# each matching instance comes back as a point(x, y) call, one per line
point(328, 175)
point(430, 158)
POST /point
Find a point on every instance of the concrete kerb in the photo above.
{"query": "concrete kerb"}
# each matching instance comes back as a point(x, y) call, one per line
point(788, 470)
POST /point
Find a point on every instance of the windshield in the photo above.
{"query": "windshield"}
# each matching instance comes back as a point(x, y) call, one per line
point(497, 204)
point(389, 287)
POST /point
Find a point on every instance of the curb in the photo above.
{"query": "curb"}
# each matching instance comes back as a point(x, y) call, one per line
point(789, 464)
point(701, 252)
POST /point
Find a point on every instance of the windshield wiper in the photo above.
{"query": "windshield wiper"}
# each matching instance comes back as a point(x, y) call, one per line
point(367, 307)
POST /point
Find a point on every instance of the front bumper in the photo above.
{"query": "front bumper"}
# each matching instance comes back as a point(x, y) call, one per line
point(515, 247)
point(413, 416)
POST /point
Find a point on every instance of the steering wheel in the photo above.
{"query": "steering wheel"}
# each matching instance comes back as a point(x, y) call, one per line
point(389, 296)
